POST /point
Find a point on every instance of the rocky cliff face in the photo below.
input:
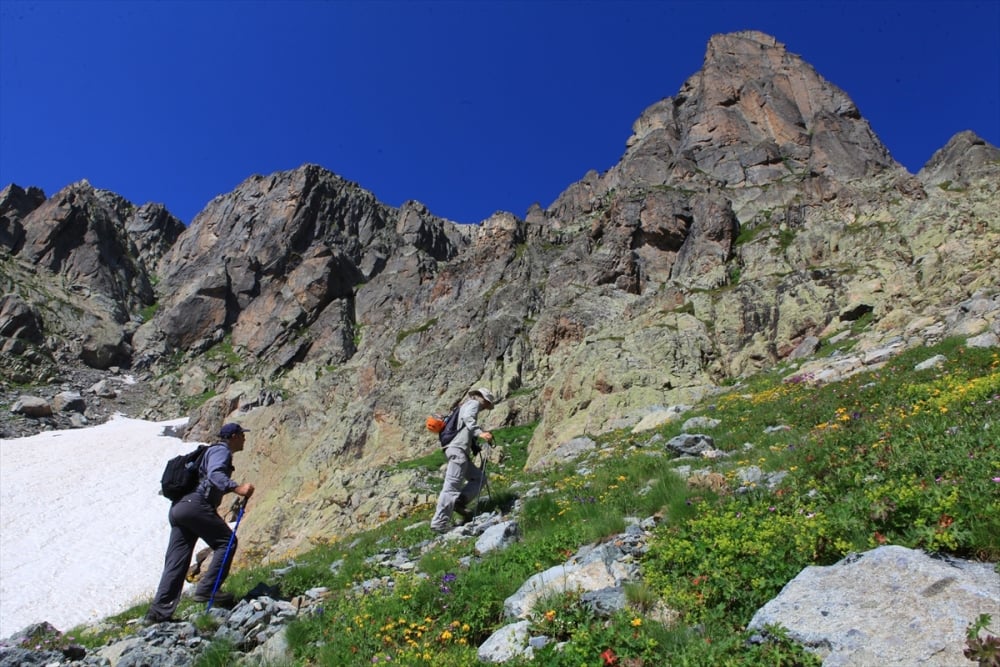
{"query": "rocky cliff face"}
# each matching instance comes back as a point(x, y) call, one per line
point(76, 268)
point(752, 212)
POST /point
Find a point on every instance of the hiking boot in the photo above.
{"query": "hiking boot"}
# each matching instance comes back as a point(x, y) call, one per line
point(464, 511)
point(222, 598)
point(152, 618)
point(441, 530)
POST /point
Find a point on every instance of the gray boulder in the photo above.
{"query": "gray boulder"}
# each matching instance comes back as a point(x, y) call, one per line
point(888, 606)
point(32, 406)
point(69, 401)
point(934, 362)
point(567, 451)
point(691, 444)
point(591, 569)
point(507, 643)
point(19, 319)
point(499, 536)
point(988, 339)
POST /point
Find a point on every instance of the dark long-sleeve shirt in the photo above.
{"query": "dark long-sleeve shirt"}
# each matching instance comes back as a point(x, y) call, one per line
point(216, 468)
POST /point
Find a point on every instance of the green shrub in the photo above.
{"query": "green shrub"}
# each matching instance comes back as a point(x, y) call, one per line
point(735, 555)
point(219, 653)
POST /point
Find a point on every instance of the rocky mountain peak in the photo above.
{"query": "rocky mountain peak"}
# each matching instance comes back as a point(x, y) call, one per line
point(754, 114)
point(961, 160)
point(88, 237)
point(288, 250)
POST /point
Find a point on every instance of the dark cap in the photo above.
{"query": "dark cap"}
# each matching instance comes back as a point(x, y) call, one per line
point(229, 430)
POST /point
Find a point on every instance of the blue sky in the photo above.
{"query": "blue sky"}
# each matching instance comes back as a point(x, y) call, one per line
point(469, 107)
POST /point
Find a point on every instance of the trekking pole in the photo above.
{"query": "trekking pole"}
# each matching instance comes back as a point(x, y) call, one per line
point(225, 558)
point(486, 482)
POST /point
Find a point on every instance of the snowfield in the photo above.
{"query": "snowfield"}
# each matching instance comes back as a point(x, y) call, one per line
point(83, 529)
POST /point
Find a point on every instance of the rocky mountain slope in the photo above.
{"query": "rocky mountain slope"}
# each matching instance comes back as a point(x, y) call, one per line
point(751, 214)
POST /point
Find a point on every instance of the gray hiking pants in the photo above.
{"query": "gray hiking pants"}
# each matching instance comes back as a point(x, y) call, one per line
point(191, 517)
point(462, 480)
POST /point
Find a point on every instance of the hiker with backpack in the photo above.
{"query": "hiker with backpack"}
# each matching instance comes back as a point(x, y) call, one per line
point(463, 478)
point(195, 515)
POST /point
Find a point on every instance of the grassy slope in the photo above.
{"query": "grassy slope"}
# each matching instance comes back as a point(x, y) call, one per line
point(894, 456)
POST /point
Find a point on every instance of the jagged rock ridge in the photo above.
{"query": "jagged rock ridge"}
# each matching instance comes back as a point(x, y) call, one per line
point(751, 212)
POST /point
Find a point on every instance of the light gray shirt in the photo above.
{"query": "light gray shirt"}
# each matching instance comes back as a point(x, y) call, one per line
point(467, 416)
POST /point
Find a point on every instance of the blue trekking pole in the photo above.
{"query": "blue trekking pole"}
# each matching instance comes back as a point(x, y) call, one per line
point(225, 559)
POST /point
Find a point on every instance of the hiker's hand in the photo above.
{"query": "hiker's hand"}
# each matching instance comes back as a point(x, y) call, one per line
point(487, 436)
point(245, 490)
point(234, 509)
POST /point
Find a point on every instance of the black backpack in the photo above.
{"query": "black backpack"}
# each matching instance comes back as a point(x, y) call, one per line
point(451, 427)
point(180, 476)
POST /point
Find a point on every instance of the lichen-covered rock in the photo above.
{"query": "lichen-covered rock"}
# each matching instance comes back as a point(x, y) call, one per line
point(889, 606)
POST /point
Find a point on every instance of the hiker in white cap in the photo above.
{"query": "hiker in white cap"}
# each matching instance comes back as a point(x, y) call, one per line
point(463, 478)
